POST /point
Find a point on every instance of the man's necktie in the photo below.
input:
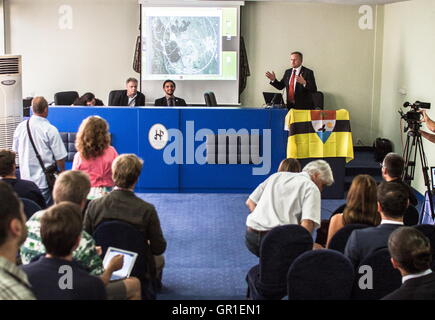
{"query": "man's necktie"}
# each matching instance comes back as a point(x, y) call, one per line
point(171, 102)
point(291, 88)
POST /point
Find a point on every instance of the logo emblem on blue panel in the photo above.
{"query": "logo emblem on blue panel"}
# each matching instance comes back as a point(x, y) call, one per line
point(158, 136)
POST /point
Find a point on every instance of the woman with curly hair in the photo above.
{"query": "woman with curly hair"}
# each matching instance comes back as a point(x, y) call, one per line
point(361, 206)
point(95, 154)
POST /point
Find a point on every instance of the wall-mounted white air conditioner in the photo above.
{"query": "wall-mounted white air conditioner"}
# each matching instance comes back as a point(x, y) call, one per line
point(11, 98)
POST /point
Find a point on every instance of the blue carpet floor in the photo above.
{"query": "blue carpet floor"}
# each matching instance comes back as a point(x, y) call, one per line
point(206, 257)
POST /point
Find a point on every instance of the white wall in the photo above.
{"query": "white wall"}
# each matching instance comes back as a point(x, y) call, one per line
point(95, 55)
point(340, 53)
point(408, 63)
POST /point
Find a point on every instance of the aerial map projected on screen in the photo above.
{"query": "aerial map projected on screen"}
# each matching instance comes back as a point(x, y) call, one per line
point(184, 45)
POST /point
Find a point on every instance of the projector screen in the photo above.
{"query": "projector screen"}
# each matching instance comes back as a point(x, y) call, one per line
point(197, 47)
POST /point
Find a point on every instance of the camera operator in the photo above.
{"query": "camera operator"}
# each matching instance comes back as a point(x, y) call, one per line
point(430, 124)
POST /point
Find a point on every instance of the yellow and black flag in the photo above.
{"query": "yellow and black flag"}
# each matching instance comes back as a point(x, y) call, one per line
point(319, 134)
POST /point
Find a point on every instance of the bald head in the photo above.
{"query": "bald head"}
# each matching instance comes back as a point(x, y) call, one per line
point(40, 106)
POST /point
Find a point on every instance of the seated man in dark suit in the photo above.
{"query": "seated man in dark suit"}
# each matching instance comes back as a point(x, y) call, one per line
point(299, 82)
point(392, 169)
point(392, 204)
point(411, 254)
point(169, 99)
point(130, 97)
point(56, 276)
point(24, 188)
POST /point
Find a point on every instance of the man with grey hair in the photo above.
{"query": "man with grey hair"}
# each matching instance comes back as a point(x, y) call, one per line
point(130, 97)
point(286, 198)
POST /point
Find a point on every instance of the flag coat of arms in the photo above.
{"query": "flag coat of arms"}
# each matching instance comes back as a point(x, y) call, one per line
point(319, 134)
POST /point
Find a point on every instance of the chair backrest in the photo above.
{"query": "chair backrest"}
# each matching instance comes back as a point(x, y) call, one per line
point(411, 216)
point(213, 99)
point(385, 278)
point(112, 95)
point(207, 99)
point(317, 99)
point(320, 275)
point(68, 139)
point(122, 235)
point(279, 248)
point(339, 240)
point(65, 98)
point(30, 207)
point(429, 231)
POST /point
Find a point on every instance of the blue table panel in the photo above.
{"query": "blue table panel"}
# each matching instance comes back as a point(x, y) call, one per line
point(130, 128)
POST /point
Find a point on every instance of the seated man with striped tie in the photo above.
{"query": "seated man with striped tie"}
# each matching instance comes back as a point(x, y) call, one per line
point(169, 99)
point(299, 82)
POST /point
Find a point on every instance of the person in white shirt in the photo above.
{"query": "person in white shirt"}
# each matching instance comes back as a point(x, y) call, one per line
point(411, 254)
point(47, 142)
point(286, 198)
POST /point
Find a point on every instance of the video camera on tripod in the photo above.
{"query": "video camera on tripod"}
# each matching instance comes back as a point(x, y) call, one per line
point(413, 117)
point(414, 147)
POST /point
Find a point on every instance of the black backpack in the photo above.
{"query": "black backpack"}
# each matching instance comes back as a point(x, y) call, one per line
point(381, 147)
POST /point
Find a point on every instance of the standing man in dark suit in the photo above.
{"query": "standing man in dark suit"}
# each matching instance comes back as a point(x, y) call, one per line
point(392, 203)
point(298, 81)
point(411, 254)
point(130, 97)
point(169, 99)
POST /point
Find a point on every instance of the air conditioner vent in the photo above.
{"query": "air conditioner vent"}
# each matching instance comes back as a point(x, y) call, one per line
point(9, 66)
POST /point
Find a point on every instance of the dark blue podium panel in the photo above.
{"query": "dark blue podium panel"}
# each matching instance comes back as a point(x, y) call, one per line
point(181, 163)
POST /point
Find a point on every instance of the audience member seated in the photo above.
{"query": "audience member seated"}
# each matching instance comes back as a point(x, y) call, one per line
point(123, 205)
point(286, 198)
point(95, 155)
point(411, 254)
point(74, 186)
point(47, 142)
point(130, 97)
point(169, 99)
point(361, 206)
point(24, 188)
point(392, 204)
point(392, 170)
point(56, 276)
point(289, 165)
point(14, 284)
point(89, 100)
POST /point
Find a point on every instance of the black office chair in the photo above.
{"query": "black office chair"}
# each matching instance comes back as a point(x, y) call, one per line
point(207, 99)
point(317, 100)
point(113, 94)
point(339, 240)
point(213, 99)
point(385, 278)
point(320, 275)
point(65, 98)
point(30, 207)
point(279, 248)
point(122, 235)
